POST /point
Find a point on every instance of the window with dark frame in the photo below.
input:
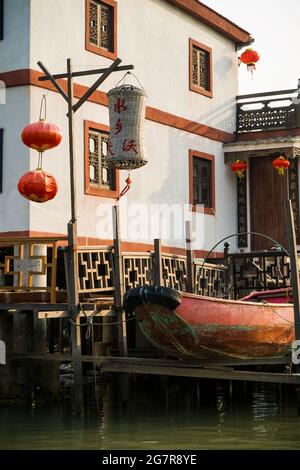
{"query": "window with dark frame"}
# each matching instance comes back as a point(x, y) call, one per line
point(201, 80)
point(101, 25)
point(100, 175)
point(202, 182)
point(201, 68)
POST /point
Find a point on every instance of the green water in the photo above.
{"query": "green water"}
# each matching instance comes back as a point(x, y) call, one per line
point(261, 420)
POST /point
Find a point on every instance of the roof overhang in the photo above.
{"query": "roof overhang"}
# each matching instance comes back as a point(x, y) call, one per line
point(290, 146)
point(215, 20)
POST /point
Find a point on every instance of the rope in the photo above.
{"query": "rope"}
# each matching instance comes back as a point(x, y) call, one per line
point(43, 105)
point(40, 161)
point(89, 321)
point(126, 188)
point(276, 313)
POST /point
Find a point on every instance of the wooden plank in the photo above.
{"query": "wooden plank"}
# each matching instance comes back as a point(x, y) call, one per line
point(33, 306)
point(203, 373)
point(64, 314)
point(170, 363)
point(86, 72)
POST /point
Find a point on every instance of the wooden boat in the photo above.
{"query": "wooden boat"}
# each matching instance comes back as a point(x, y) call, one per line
point(190, 326)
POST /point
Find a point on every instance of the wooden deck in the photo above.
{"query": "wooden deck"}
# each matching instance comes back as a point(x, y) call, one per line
point(224, 370)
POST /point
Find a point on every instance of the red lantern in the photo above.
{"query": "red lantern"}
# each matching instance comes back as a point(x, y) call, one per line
point(281, 164)
point(239, 167)
point(250, 57)
point(38, 186)
point(41, 135)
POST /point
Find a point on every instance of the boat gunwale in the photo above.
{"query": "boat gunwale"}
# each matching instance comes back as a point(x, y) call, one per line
point(235, 302)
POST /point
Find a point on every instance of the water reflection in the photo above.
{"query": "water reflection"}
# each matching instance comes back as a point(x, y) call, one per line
point(215, 418)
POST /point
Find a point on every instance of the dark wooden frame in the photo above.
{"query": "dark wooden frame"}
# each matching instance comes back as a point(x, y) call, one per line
point(204, 156)
point(1, 160)
point(193, 87)
point(99, 50)
point(88, 188)
point(242, 210)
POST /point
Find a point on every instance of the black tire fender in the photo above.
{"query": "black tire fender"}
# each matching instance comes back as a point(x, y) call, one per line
point(158, 295)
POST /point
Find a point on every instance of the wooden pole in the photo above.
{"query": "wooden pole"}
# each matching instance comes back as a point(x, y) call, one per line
point(158, 278)
point(119, 293)
point(119, 282)
point(189, 258)
point(290, 227)
point(73, 296)
point(72, 271)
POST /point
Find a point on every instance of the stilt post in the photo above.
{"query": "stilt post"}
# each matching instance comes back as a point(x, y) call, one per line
point(119, 293)
point(294, 265)
point(158, 277)
point(189, 258)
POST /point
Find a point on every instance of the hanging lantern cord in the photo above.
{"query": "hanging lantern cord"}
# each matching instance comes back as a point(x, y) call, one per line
point(123, 79)
point(40, 161)
point(43, 108)
point(126, 188)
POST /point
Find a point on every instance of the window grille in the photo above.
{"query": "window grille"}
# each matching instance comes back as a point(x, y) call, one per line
point(201, 68)
point(101, 25)
point(202, 184)
point(99, 173)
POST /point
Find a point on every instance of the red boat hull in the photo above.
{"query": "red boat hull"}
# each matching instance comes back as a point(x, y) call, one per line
point(207, 328)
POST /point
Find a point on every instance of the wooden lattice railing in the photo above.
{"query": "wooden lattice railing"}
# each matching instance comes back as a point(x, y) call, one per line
point(29, 264)
point(258, 271)
point(271, 110)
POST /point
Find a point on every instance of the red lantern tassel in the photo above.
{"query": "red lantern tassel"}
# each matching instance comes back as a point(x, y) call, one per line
point(126, 188)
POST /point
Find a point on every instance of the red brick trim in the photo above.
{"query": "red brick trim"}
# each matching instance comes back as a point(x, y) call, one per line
point(193, 87)
point(193, 127)
point(207, 210)
point(218, 22)
point(88, 188)
point(99, 50)
point(30, 77)
point(125, 246)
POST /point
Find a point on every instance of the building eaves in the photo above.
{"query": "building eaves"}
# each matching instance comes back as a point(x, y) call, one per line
point(216, 21)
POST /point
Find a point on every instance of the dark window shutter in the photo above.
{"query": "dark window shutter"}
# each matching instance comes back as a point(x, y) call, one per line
point(202, 175)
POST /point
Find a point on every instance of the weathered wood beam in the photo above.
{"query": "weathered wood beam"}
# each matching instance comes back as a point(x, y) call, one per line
point(86, 72)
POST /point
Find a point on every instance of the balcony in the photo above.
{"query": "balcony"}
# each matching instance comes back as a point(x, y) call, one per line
point(268, 111)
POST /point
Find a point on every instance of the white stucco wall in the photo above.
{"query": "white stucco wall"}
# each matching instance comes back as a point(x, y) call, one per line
point(154, 37)
point(165, 179)
point(14, 115)
point(14, 48)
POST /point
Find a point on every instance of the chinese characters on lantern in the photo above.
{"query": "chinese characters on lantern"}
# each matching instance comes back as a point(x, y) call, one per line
point(128, 145)
point(126, 118)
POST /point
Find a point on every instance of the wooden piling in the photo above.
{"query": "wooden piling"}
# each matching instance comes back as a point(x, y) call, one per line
point(118, 296)
point(189, 258)
point(157, 274)
point(291, 235)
